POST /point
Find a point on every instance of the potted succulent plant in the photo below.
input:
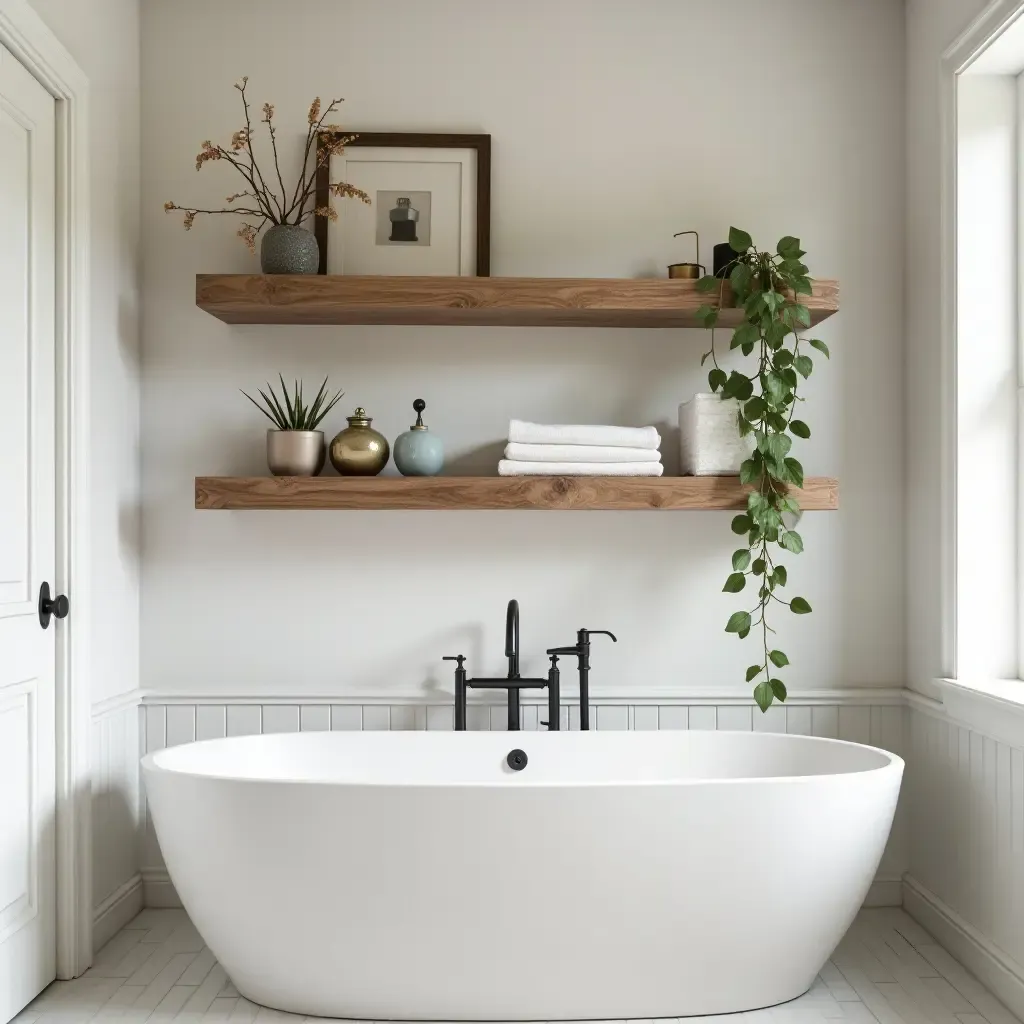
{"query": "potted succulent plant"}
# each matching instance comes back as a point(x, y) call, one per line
point(294, 445)
point(767, 286)
point(287, 247)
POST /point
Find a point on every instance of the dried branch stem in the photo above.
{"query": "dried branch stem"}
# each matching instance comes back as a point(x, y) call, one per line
point(253, 166)
point(269, 206)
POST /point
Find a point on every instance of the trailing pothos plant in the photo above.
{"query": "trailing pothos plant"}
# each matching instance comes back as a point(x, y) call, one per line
point(767, 286)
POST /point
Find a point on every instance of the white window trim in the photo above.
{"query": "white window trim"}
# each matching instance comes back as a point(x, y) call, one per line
point(25, 34)
point(994, 707)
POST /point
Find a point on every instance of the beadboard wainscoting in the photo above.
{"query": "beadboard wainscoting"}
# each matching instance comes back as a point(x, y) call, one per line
point(965, 796)
point(116, 815)
point(865, 716)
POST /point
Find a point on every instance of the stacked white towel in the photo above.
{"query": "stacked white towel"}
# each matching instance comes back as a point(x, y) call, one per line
point(555, 449)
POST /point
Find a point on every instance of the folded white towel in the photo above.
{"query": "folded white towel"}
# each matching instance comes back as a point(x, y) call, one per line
point(508, 467)
point(563, 433)
point(579, 453)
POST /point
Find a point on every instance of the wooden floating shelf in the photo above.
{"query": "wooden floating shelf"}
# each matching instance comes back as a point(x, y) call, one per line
point(474, 493)
point(470, 301)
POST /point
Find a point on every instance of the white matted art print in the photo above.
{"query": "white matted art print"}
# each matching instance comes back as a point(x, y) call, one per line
point(422, 214)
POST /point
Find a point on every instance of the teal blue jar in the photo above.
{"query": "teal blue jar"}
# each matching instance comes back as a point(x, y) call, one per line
point(418, 452)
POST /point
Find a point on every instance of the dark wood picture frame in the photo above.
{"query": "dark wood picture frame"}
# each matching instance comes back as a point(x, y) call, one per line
point(421, 140)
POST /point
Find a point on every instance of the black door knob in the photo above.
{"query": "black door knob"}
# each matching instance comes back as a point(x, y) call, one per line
point(58, 606)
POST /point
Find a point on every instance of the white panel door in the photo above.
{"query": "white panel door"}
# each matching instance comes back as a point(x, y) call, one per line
point(27, 531)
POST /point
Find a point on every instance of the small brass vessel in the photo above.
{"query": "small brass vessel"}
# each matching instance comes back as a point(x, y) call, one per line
point(687, 271)
point(359, 450)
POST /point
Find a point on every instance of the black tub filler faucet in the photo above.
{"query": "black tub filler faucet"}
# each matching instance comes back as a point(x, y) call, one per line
point(514, 683)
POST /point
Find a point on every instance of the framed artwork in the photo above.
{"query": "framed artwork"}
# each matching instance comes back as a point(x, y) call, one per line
point(429, 211)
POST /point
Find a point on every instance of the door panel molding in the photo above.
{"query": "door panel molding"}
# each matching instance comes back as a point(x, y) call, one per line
point(16, 364)
point(25, 34)
point(18, 909)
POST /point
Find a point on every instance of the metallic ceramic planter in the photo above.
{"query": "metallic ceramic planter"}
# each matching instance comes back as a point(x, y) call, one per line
point(289, 249)
point(359, 450)
point(296, 452)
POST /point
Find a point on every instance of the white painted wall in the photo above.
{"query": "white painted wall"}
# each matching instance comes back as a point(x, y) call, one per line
point(965, 795)
point(103, 37)
point(615, 124)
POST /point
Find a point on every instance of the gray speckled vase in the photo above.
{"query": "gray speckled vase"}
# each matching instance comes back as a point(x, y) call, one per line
point(289, 249)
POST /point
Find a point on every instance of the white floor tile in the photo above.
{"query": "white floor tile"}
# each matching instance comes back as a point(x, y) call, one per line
point(164, 981)
point(243, 1012)
point(887, 970)
point(118, 1003)
point(128, 965)
point(968, 986)
point(199, 968)
point(838, 986)
point(948, 996)
point(207, 991)
point(221, 1009)
point(117, 948)
point(173, 1001)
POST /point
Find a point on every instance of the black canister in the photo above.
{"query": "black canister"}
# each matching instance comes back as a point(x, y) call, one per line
point(723, 259)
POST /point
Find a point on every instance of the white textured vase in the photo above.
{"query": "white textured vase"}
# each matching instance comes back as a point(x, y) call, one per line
point(709, 437)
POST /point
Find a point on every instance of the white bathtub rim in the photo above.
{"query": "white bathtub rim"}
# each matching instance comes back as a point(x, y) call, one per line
point(891, 763)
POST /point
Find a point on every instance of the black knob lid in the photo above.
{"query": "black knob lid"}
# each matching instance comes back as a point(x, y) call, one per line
point(517, 759)
point(419, 405)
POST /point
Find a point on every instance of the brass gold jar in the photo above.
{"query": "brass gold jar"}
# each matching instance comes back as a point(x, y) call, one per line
point(359, 450)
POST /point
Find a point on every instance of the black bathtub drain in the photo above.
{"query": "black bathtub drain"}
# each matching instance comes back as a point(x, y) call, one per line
point(517, 759)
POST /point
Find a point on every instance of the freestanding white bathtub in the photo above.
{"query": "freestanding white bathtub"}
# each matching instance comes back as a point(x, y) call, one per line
point(619, 874)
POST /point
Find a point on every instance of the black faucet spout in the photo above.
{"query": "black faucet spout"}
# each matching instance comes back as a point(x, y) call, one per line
point(512, 638)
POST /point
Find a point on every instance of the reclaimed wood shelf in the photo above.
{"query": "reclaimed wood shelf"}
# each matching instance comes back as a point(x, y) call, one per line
point(465, 301)
point(704, 493)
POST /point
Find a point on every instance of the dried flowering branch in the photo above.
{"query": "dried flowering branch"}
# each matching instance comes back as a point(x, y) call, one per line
point(267, 206)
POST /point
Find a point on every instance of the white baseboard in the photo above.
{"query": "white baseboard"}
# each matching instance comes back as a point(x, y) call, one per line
point(885, 891)
point(120, 907)
point(1002, 975)
point(158, 889)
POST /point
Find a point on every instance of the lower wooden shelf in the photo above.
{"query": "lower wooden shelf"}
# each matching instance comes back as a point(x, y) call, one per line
point(468, 493)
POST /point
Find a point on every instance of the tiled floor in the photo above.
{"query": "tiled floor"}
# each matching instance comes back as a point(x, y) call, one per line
point(886, 971)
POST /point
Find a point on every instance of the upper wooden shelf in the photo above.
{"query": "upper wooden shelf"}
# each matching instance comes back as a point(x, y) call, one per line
point(481, 301)
point(700, 493)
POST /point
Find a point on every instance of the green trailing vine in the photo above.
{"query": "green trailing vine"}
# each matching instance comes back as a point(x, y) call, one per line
point(767, 286)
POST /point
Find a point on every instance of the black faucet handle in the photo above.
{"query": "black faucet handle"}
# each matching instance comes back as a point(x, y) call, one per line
point(460, 658)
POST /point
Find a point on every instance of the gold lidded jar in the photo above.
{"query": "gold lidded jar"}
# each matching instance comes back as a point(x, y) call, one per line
point(359, 450)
